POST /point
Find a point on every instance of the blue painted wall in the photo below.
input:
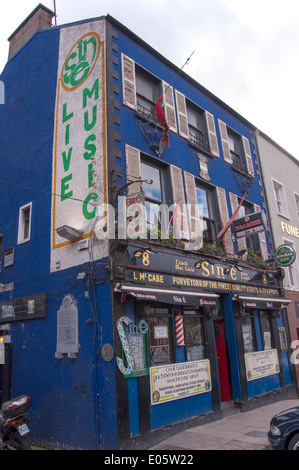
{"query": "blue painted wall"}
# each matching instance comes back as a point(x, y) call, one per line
point(182, 155)
point(73, 400)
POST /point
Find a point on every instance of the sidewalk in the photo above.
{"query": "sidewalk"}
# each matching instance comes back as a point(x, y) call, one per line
point(238, 431)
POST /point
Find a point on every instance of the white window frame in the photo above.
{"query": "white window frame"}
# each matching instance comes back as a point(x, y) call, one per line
point(22, 221)
point(283, 202)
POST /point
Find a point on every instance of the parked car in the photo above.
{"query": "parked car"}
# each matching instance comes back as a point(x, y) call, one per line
point(284, 430)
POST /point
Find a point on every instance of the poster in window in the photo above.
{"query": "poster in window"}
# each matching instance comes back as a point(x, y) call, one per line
point(160, 332)
point(247, 338)
point(267, 340)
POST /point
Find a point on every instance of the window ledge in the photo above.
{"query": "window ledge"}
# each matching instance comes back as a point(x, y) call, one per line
point(202, 149)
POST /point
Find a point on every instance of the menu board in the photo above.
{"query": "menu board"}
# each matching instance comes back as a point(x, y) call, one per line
point(136, 344)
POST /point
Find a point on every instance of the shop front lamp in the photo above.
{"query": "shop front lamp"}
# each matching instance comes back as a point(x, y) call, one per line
point(139, 253)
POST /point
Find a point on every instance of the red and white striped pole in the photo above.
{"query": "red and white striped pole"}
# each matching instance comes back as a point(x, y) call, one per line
point(180, 338)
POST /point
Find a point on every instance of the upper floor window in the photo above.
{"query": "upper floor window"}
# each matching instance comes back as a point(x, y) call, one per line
point(196, 124)
point(280, 198)
point(141, 91)
point(197, 129)
point(252, 241)
point(205, 202)
point(148, 91)
point(24, 230)
point(154, 195)
point(236, 150)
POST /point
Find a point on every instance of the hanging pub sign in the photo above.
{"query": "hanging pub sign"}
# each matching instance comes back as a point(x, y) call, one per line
point(285, 255)
point(135, 215)
point(251, 223)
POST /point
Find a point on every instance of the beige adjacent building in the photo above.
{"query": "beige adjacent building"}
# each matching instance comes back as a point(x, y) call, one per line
point(280, 173)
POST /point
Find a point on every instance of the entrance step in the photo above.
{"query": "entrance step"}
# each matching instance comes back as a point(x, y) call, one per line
point(228, 408)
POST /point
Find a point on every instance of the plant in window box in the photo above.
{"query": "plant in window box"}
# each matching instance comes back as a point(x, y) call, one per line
point(212, 249)
point(256, 260)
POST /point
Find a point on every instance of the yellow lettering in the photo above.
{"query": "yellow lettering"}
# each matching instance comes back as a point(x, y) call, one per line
point(220, 272)
point(205, 266)
point(145, 259)
point(233, 274)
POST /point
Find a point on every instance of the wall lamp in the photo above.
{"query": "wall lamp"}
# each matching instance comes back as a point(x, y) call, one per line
point(241, 253)
point(69, 233)
point(139, 253)
point(199, 264)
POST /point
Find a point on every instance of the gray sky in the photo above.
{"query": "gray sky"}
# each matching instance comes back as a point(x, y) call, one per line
point(246, 51)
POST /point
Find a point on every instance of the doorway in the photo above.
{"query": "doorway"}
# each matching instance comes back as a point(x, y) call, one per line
point(222, 360)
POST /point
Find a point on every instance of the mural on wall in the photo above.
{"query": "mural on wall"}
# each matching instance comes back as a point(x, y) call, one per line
point(79, 178)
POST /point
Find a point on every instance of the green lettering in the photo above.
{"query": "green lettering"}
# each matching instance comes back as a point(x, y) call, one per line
point(67, 159)
point(88, 93)
point(90, 175)
point(91, 147)
point(93, 41)
point(66, 77)
point(65, 116)
point(90, 214)
point(67, 135)
point(87, 125)
point(65, 187)
point(77, 76)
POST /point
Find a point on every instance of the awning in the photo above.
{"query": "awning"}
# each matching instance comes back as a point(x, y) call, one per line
point(262, 302)
point(169, 296)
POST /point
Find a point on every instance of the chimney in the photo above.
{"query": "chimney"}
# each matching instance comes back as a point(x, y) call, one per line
point(39, 18)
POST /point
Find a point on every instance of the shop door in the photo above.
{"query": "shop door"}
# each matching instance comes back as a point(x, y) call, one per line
point(222, 360)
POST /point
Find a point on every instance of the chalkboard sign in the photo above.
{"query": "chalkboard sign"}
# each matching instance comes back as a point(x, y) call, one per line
point(136, 343)
point(159, 354)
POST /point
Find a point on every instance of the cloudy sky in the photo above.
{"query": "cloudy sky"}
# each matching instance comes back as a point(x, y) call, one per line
point(246, 51)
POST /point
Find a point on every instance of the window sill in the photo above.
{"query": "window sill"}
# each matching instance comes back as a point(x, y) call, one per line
point(202, 149)
point(241, 169)
point(23, 241)
point(283, 215)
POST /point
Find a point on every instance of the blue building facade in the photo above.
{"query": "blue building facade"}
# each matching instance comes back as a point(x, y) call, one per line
point(117, 330)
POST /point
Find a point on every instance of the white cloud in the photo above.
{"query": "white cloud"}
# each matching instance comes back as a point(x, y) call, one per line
point(246, 51)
